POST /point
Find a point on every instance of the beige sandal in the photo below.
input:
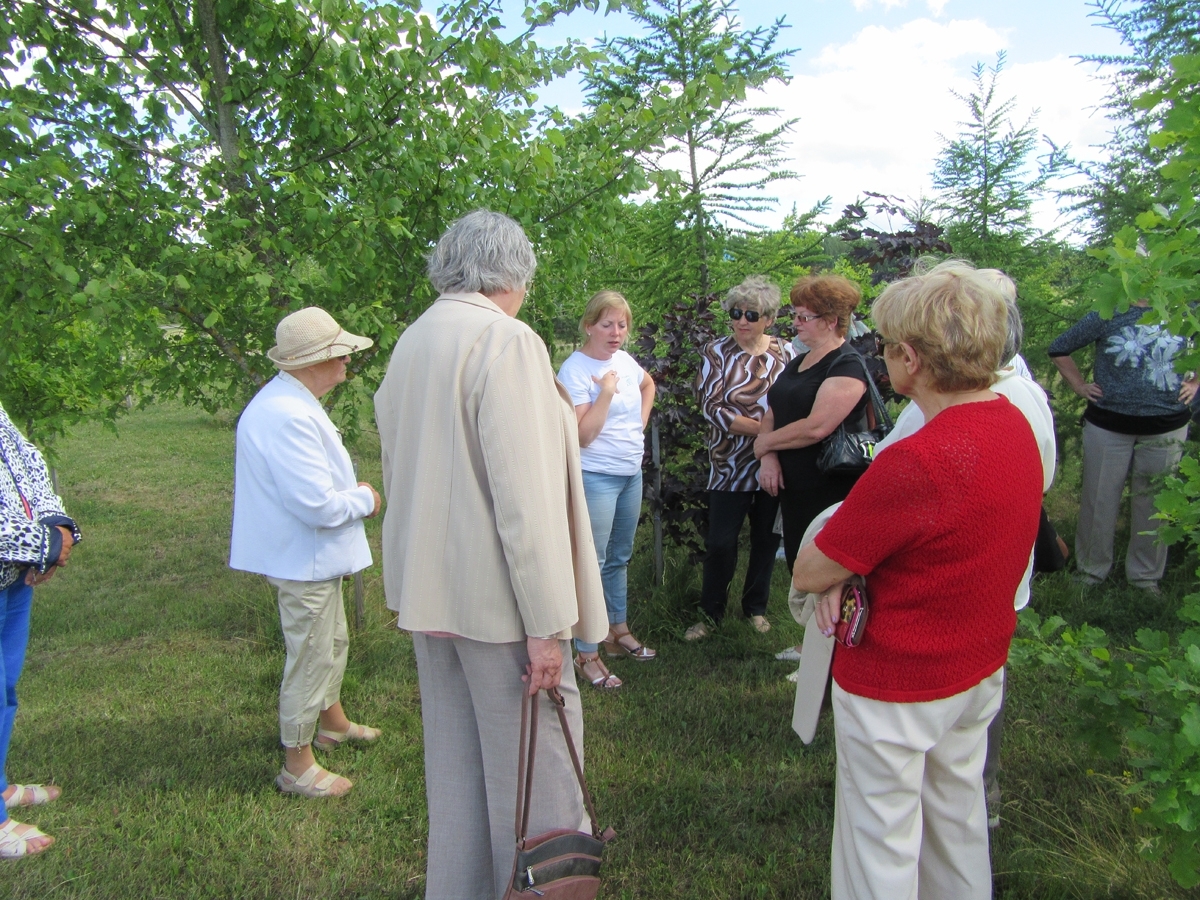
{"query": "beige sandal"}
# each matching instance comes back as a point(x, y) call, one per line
point(331, 740)
point(625, 644)
point(596, 673)
point(16, 846)
point(31, 795)
point(314, 783)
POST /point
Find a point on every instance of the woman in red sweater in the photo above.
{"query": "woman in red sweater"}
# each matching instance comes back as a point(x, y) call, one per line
point(941, 526)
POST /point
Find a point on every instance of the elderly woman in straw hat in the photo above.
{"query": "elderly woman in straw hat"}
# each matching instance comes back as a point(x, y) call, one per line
point(298, 519)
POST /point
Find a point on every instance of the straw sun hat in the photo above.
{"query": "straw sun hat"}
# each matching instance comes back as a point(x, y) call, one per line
point(310, 336)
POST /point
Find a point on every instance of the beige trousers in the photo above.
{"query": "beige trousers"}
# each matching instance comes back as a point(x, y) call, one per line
point(314, 631)
point(909, 820)
point(1108, 458)
point(471, 712)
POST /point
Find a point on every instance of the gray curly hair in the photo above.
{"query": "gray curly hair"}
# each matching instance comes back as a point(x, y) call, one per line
point(483, 252)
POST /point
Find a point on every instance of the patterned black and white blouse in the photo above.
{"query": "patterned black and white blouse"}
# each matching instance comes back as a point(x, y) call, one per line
point(733, 383)
point(29, 508)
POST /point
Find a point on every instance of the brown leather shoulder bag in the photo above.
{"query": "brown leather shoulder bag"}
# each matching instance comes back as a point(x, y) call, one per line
point(562, 864)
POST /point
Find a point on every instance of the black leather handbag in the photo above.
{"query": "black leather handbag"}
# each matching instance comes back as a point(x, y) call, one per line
point(562, 864)
point(848, 452)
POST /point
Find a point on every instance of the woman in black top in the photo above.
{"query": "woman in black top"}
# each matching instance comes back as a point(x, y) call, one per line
point(814, 394)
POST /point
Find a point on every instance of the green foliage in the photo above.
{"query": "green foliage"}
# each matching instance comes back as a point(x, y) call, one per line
point(1159, 258)
point(783, 255)
point(180, 175)
point(1143, 701)
point(1126, 181)
point(982, 175)
point(691, 74)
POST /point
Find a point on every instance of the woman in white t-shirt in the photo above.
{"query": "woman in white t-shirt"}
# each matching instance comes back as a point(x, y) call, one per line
point(612, 396)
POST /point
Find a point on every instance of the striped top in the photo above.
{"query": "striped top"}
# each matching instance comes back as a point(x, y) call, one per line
point(733, 383)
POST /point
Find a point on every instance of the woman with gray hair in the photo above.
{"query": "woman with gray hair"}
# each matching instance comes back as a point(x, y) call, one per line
point(487, 551)
point(735, 374)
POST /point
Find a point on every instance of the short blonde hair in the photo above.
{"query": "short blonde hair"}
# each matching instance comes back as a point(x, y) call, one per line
point(757, 293)
point(954, 318)
point(602, 302)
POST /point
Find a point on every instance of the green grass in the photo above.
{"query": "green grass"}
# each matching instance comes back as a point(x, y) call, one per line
point(150, 694)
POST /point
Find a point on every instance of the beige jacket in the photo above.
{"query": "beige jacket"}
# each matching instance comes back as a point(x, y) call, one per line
point(486, 533)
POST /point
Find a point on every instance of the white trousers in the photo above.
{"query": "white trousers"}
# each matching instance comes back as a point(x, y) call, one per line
point(1108, 458)
point(909, 819)
point(313, 617)
point(471, 711)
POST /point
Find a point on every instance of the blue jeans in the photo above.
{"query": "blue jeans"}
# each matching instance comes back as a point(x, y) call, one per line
point(15, 603)
point(614, 504)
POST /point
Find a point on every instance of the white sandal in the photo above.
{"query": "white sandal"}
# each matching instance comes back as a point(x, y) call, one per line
point(331, 740)
point(15, 846)
point(314, 783)
point(36, 796)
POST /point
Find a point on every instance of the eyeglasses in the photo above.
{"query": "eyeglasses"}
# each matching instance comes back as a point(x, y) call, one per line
point(800, 317)
point(751, 315)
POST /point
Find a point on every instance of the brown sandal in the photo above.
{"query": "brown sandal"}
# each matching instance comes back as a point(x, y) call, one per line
point(593, 671)
point(625, 644)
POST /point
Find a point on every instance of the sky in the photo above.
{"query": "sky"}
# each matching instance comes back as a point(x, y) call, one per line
point(872, 81)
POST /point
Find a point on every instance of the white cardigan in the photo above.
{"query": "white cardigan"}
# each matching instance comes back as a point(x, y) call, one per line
point(297, 507)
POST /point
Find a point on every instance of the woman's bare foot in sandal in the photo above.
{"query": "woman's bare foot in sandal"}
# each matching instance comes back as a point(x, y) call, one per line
point(18, 840)
point(592, 670)
point(621, 642)
point(16, 795)
point(298, 777)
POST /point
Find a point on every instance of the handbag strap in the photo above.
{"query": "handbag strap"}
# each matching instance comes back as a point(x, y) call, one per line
point(877, 404)
point(529, 727)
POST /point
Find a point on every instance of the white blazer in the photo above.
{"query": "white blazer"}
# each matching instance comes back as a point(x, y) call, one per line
point(297, 507)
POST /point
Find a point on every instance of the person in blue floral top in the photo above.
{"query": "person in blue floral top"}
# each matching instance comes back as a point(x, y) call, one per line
point(36, 537)
point(1136, 419)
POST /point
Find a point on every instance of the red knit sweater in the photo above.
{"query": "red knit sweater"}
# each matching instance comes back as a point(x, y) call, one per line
point(942, 525)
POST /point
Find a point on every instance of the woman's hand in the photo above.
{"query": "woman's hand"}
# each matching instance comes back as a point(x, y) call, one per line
point(33, 578)
point(770, 474)
point(375, 494)
point(545, 664)
point(829, 608)
point(1187, 393)
point(608, 382)
point(762, 445)
point(1074, 379)
point(68, 541)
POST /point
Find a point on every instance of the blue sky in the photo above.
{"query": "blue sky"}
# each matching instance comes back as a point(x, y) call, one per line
point(872, 79)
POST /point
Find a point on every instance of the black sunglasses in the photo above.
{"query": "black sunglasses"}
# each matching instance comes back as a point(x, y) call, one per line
point(751, 315)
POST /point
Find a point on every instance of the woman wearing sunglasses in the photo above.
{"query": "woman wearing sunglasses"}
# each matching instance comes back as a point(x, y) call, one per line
point(735, 374)
point(817, 391)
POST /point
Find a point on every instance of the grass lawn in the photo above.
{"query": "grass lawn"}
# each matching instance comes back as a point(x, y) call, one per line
point(150, 697)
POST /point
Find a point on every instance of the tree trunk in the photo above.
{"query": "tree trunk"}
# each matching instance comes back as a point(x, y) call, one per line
point(227, 137)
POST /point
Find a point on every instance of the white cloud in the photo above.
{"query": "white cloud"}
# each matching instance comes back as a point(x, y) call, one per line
point(871, 110)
